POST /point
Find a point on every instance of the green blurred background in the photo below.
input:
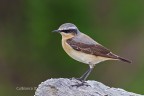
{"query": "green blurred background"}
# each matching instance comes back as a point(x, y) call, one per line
point(30, 53)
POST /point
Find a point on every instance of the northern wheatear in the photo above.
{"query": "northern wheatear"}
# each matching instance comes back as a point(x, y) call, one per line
point(84, 49)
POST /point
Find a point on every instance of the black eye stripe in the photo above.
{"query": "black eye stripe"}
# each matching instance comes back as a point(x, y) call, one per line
point(66, 31)
point(69, 31)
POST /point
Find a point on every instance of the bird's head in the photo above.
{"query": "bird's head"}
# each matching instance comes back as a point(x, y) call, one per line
point(67, 30)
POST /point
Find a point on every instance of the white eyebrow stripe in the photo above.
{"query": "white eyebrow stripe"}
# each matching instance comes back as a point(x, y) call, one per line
point(67, 28)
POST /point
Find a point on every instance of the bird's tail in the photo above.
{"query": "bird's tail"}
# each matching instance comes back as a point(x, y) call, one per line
point(125, 60)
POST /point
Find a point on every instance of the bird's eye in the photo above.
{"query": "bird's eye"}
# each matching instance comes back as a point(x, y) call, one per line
point(66, 31)
point(69, 31)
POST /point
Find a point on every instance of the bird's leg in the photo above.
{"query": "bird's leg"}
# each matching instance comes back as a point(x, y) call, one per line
point(84, 77)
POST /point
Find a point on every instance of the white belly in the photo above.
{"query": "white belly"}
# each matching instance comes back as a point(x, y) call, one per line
point(82, 57)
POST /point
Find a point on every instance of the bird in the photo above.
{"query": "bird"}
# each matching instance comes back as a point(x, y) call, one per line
point(83, 48)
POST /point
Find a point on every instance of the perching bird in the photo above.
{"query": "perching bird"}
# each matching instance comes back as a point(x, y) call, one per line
point(84, 49)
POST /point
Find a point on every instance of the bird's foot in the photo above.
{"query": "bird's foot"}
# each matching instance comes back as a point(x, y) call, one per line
point(79, 84)
point(79, 79)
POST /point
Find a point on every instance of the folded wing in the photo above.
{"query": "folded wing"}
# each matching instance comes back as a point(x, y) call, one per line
point(94, 49)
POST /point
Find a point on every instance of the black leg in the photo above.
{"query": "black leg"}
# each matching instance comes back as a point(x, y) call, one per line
point(85, 75)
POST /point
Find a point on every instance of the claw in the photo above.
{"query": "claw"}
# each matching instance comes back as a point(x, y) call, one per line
point(79, 79)
point(80, 84)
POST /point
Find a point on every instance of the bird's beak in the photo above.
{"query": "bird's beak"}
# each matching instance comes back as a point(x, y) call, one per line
point(56, 31)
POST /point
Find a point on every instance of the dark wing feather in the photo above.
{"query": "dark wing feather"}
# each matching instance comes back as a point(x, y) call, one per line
point(94, 49)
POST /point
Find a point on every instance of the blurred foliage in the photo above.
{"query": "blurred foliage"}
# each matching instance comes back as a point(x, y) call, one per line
point(30, 53)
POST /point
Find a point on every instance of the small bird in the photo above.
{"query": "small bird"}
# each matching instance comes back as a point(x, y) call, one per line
point(84, 49)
